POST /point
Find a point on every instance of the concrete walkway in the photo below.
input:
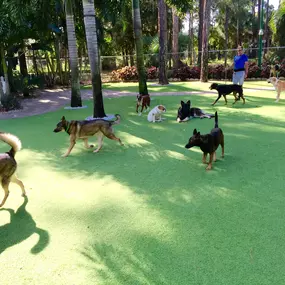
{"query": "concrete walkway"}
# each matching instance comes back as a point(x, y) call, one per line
point(49, 100)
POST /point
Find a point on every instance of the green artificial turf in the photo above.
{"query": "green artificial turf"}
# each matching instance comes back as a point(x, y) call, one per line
point(149, 212)
point(177, 86)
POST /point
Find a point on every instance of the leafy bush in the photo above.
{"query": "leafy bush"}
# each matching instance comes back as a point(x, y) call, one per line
point(10, 103)
point(152, 72)
point(127, 73)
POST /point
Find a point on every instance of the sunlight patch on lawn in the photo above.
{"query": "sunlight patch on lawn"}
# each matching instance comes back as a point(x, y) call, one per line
point(132, 140)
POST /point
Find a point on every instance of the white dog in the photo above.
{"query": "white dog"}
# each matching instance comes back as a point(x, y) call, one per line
point(155, 114)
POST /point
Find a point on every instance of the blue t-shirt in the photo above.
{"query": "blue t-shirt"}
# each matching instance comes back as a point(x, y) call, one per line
point(240, 60)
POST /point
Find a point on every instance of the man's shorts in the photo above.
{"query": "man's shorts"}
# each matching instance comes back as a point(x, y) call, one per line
point(238, 77)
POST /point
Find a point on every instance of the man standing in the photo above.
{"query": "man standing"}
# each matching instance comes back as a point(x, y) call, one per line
point(240, 67)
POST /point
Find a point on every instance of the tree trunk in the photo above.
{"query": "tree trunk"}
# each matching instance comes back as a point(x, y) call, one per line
point(162, 18)
point(238, 42)
point(94, 60)
point(206, 25)
point(175, 33)
point(11, 63)
point(266, 33)
point(200, 30)
point(191, 38)
point(57, 55)
point(253, 21)
point(139, 47)
point(24, 71)
point(226, 33)
point(35, 63)
point(73, 55)
point(5, 71)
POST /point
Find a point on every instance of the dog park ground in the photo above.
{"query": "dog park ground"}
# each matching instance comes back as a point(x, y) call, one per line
point(148, 212)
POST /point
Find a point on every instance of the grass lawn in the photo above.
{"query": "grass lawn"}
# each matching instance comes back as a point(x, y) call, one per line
point(149, 212)
point(176, 86)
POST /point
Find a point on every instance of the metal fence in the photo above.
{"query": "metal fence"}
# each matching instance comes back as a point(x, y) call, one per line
point(49, 66)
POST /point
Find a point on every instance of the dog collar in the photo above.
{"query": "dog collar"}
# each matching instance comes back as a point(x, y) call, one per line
point(67, 128)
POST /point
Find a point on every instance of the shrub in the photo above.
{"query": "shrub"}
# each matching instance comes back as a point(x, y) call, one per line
point(127, 73)
point(152, 72)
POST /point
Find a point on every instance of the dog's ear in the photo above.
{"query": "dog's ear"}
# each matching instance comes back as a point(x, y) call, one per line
point(63, 118)
point(182, 103)
point(195, 132)
point(188, 102)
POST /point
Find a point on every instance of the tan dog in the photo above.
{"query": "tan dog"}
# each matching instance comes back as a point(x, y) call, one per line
point(278, 85)
point(84, 129)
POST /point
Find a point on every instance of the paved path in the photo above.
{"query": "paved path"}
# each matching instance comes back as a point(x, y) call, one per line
point(52, 99)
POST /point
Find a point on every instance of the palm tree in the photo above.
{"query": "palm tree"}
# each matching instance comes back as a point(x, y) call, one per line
point(73, 54)
point(175, 32)
point(139, 47)
point(205, 39)
point(93, 54)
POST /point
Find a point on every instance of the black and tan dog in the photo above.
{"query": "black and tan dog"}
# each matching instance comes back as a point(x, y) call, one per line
point(185, 112)
point(226, 89)
point(144, 101)
point(8, 165)
point(85, 129)
point(208, 143)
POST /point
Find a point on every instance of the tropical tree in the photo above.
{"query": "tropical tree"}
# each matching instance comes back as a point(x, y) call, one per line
point(205, 35)
point(175, 33)
point(162, 20)
point(73, 54)
point(139, 47)
point(94, 60)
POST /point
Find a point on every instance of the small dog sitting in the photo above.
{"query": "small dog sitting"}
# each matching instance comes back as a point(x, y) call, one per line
point(226, 89)
point(185, 112)
point(8, 165)
point(84, 129)
point(208, 143)
point(144, 101)
point(278, 85)
point(155, 115)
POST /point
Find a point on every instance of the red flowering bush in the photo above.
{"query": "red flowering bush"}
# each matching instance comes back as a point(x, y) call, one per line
point(152, 72)
point(127, 73)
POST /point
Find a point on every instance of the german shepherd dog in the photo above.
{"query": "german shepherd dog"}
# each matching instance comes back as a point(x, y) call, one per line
point(8, 165)
point(84, 129)
point(144, 101)
point(185, 112)
point(226, 89)
point(208, 143)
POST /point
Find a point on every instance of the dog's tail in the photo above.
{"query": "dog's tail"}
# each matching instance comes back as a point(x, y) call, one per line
point(118, 120)
point(216, 120)
point(11, 140)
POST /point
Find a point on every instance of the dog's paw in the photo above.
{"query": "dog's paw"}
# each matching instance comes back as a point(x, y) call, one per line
point(209, 167)
point(64, 155)
point(139, 114)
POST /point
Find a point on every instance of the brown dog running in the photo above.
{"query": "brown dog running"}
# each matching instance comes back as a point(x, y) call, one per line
point(8, 165)
point(208, 143)
point(278, 85)
point(84, 129)
point(144, 101)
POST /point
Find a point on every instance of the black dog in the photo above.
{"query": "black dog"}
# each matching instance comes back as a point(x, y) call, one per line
point(185, 112)
point(225, 89)
point(208, 143)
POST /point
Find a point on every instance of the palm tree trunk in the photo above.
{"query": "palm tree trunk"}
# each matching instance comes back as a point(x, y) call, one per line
point(24, 71)
point(266, 29)
point(206, 25)
point(94, 60)
point(139, 47)
point(162, 18)
point(226, 33)
point(191, 38)
point(73, 55)
point(200, 30)
point(5, 70)
point(175, 32)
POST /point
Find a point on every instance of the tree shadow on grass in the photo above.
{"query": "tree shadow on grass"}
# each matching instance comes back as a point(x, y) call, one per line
point(20, 228)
